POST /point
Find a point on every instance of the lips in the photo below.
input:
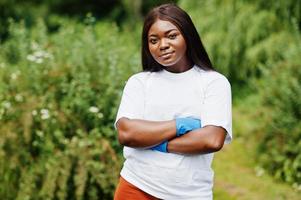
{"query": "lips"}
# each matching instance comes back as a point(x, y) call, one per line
point(166, 55)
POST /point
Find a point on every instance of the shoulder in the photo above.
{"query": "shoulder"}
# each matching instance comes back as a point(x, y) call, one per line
point(212, 77)
point(139, 76)
point(138, 79)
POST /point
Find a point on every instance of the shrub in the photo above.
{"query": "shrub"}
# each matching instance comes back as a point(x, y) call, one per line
point(58, 101)
point(230, 31)
point(280, 145)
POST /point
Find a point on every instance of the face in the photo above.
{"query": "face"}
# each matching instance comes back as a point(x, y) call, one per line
point(167, 45)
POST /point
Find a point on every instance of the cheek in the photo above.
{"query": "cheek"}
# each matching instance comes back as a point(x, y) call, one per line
point(183, 44)
point(182, 47)
point(152, 50)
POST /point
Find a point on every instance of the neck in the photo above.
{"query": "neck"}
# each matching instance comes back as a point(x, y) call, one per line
point(180, 66)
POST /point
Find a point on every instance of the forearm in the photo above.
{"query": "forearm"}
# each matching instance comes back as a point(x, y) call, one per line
point(143, 133)
point(204, 140)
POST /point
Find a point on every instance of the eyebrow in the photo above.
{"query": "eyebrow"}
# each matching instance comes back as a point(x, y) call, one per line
point(166, 32)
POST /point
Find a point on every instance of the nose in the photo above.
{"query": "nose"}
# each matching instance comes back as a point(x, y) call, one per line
point(164, 44)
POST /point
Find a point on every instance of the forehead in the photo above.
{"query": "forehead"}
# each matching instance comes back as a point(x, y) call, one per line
point(161, 27)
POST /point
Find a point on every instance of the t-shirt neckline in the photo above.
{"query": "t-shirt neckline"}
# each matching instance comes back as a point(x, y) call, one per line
point(178, 75)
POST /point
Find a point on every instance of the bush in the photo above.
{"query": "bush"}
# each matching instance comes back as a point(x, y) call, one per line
point(58, 101)
point(231, 31)
point(280, 145)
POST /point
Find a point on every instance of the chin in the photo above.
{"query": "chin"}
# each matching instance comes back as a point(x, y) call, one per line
point(167, 64)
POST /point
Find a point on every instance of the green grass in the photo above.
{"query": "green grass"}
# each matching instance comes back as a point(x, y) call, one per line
point(237, 175)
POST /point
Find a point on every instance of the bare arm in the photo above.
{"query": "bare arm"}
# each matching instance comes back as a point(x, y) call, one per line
point(143, 133)
point(205, 140)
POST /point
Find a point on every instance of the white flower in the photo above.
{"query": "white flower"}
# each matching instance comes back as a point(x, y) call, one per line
point(259, 171)
point(39, 60)
point(93, 109)
point(31, 58)
point(6, 104)
point(14, 76)
point(38, 56)
point(100, 115)
point(34, 112)
point(19, 98)
point(44, 114)
point(40, 133)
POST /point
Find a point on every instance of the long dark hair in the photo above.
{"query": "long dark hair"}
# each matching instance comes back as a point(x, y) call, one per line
point(172, 13)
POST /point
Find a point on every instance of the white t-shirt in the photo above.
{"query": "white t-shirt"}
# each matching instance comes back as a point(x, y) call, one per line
point(161, 96)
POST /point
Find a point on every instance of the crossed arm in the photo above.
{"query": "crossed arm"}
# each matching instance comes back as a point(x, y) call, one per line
point(143, 133)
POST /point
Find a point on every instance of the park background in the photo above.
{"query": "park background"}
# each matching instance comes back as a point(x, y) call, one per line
point(63, 65)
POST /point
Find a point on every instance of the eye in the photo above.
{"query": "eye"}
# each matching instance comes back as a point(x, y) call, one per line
point(153, 40)
point(172, 36)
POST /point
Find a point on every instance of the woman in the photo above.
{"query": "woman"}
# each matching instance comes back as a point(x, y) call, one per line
point(174, 115)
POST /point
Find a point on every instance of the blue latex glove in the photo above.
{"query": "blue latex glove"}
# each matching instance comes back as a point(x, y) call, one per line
point(161, 147)
point(184, 125)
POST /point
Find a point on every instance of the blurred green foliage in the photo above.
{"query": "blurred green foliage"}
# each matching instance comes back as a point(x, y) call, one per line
point(59, 96)
point(240, 35)
point(62, 78)
point(280, 90)
point(119, 11)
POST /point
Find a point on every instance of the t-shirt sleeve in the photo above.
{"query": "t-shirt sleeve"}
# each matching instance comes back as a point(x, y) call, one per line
point(218, 106)
point(132, 100)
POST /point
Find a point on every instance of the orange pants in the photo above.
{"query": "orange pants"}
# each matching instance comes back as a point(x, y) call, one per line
point(127, 191)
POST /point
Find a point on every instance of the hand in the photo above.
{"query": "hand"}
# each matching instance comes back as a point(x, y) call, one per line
point(161, 147)
point(187, 124)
